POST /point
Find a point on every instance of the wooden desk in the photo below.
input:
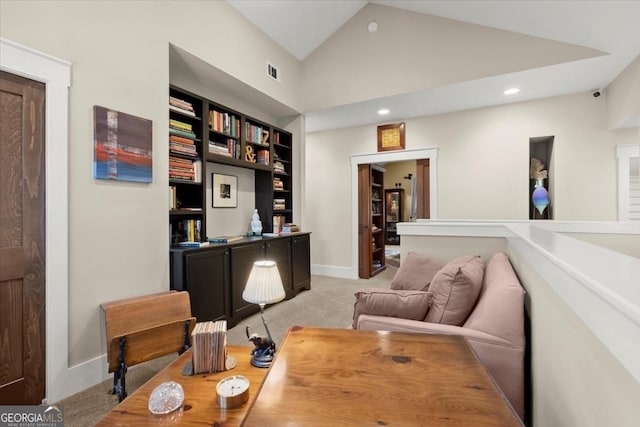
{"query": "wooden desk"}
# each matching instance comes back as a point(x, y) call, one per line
point(334, 377)
point(200, 406)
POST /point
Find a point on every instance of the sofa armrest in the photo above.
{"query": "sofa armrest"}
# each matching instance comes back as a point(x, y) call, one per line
point(395, 324)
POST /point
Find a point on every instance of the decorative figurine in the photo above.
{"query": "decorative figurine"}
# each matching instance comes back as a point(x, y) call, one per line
point(265, 348)
point(256, 224)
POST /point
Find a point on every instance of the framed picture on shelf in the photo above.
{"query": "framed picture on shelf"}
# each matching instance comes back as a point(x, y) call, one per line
point(225, 190)
point(391, 137)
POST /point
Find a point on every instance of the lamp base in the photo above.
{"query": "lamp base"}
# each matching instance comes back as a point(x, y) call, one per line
point(262, 357)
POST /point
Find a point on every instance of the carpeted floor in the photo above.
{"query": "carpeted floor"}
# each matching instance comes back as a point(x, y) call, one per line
point(329, 303)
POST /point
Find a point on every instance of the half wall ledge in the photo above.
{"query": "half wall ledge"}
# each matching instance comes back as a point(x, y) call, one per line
point(598, 284)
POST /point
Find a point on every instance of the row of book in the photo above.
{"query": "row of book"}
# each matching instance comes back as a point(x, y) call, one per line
point(280, 226)
point(187, 230)
point(229, 148)
point(224, 123)
point(256, 134)
point(181, 106)
point(209, 347)
point(279, 205)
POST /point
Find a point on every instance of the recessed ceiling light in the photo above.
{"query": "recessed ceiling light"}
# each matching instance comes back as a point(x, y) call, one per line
point(511, 91)
point(383, 112)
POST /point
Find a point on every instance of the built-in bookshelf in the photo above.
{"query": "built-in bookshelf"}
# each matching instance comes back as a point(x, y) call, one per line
point(371, 220)
point(282, 173)
point(186, 191)
point(203, 131)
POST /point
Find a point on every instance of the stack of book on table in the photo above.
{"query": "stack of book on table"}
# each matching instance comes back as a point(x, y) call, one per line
point(209, 346)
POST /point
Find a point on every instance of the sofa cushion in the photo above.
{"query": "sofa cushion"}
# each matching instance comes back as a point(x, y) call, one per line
point(405, 304)
point(415, 273)
point(455, 290)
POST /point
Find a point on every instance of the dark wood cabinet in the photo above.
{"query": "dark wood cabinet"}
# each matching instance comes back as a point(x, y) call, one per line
point(207, 274)
point(280, 251)
point(216, 275)
point(300, 264)
point(242, 259)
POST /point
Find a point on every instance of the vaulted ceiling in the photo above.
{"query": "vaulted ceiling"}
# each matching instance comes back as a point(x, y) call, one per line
point(599, 38)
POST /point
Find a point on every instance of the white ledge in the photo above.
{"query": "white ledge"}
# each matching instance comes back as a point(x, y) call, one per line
point(598, 284)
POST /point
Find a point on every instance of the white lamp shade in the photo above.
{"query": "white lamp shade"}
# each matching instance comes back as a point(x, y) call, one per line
point(264, 285)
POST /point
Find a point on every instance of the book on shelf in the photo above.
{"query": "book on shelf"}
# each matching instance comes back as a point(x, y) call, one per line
point(278, 223)
point(224, 239)
point(187, 231)
point(182, 111)
point(262, 157)
point(278, 167)
point(197, 171)
point(278, 184)
point(227, 148)
point(189, 244)
point(181, 140)
point(180, 103)
point(180, 132)
point(177, 124)
point(224, 123)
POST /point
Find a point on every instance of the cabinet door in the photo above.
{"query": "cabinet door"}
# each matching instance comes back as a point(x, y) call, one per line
point(207, 280)
point(300, 262)
point(242, 259)
point(279, 250)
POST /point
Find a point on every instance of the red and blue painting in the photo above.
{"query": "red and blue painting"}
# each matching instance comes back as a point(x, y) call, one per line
point(123, 146)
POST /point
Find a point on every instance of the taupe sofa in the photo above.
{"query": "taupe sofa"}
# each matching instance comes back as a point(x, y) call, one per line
point(494, 329)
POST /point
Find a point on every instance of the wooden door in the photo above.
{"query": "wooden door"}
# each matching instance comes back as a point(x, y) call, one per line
point(423, 208)
point(22, 251)
point(364, 221)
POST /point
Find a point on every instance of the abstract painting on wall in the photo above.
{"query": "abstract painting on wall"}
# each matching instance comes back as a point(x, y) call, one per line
point(122, 146)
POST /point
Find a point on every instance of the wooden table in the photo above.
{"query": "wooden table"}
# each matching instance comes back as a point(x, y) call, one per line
point(200, 406)
point(334, 377)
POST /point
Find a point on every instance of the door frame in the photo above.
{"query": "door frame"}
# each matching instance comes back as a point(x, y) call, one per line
point(385, 157)
point(56, 75)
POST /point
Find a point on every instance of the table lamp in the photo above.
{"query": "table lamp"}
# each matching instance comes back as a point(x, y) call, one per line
point(264, 286)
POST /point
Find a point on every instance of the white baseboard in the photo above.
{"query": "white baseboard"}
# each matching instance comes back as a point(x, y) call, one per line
point(334, 271)
point(84, 375)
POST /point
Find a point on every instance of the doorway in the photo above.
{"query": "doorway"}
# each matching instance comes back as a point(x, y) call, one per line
point(22, 240)
point(430, 154)
point(56, 73)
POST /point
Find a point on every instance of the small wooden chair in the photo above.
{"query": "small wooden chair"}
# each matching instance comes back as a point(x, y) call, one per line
point(144, 328)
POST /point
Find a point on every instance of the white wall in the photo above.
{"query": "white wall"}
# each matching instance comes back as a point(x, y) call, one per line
point(419, 52)
point(623, 97)
point(576, 379)
point(483, 165)
point(118, 231)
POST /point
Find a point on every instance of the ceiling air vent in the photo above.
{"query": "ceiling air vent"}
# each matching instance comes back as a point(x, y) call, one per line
point(273, 72)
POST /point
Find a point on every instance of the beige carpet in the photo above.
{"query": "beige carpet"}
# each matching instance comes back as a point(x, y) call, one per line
point(329, 303)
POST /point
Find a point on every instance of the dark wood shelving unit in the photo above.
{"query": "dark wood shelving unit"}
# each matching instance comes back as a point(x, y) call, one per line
point(228, 137)
point(371, 221)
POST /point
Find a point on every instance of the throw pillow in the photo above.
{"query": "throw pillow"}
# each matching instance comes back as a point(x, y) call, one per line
point(455, 290)
point(388, 302)
point(415, 273)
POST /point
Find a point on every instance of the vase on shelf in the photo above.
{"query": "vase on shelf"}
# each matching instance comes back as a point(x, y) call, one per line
point(540, 197)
